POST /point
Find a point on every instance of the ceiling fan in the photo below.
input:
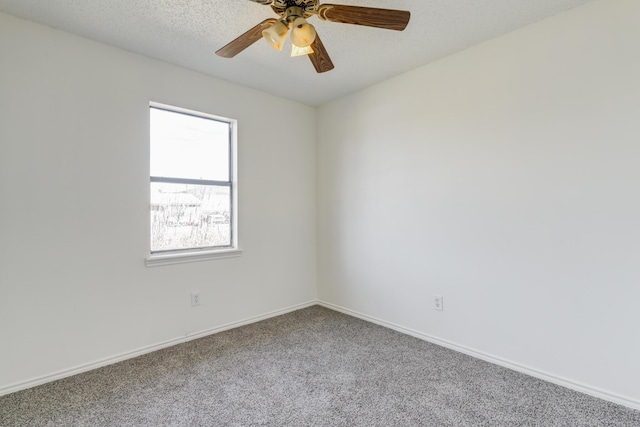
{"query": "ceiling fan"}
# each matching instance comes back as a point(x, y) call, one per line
point(304, 39)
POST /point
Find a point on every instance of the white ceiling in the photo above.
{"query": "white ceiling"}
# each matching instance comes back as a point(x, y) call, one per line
point(188, 32)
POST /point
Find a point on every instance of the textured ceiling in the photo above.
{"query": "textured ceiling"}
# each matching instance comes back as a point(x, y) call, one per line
point(188, 32)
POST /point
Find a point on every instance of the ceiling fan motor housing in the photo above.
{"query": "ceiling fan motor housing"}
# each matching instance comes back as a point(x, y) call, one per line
point(309, 7)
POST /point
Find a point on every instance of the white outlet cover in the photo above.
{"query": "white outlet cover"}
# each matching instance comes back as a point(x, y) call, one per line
point(438, 302)
point(195, 299)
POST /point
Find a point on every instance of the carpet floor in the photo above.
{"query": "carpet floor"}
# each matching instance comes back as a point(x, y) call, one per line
point(312, 367)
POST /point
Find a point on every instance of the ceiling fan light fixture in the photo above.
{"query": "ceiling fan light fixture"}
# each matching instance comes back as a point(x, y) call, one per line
point(292, 16)
point(303, 34)
point(276, 34)
point(299, 51)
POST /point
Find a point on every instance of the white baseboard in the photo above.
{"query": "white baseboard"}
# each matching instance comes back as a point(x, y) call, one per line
point(573, 385)
point(592, 391)
point(11, 388)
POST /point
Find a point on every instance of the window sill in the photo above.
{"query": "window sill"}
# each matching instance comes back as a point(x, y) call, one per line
point(155, 260)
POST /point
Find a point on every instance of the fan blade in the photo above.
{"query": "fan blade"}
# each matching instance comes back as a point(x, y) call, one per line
point(389, 19)
point(264, 2)
point(320, 58)
point(245, 40)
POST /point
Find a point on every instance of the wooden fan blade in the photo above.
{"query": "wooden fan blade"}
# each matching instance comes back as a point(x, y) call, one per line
point(389, 19)
point(245, 40)
point(320, 58)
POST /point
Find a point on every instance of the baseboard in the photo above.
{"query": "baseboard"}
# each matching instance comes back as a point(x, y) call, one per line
point(573, 385)
point(11, 388)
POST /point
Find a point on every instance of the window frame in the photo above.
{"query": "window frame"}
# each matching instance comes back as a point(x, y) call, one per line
point(176, 256)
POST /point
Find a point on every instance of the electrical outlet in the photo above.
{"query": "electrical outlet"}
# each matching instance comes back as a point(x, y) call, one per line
point(195, 299)
point(438, 302)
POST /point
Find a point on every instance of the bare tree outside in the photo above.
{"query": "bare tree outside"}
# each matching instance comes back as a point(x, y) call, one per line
point(189, 216)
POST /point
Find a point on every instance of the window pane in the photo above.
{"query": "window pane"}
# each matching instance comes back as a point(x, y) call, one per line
point(184, 146)
point(189, 216)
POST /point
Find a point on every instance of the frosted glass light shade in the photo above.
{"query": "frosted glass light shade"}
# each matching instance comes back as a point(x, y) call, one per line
point(303, 33)
point(299, 51)
point(276, 34)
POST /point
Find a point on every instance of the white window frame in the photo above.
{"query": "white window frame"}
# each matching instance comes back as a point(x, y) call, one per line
point(203, 254)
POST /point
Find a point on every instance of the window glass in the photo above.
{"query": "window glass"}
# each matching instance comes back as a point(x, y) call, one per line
point(191, 202)
point(186, 146)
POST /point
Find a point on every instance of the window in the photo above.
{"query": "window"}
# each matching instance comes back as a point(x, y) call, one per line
point(193, 197)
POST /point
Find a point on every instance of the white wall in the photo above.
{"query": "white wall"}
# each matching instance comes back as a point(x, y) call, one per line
point(506, 179)
point(74, 186)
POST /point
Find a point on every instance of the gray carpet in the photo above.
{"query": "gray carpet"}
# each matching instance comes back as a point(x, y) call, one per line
point(313, 367)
